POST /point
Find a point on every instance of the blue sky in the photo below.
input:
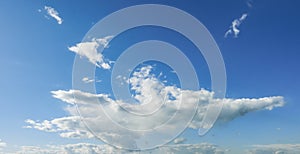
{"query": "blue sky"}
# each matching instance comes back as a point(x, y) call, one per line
point(261, 61)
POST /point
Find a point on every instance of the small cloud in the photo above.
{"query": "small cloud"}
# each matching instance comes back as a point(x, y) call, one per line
point(89, 50)
point(250, 3)
point(111, 62)
point(53, 13)
point(179, 140)
point(122, 79)
point(87, 80)
point(278, 128)
point(233, 29)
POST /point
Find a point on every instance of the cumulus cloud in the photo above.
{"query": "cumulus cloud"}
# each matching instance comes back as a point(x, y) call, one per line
point(233, 29)
point(149, 91)
point(88, 148)
point(54, 14)
point(89, 51)
point(275, 149)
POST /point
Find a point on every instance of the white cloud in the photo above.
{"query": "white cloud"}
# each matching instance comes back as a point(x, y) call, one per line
point(233, 29)
point(88, 148)
point(78, 148)
point(81, 97)
point(68, 127)
point(275, 149)
point(179, 140)
point(238, 107)
point(54, 14)
point(105, 41)
point(201, 148)
point(89, 50)
point(2, 144)
point(148, 91)
point(87, 80)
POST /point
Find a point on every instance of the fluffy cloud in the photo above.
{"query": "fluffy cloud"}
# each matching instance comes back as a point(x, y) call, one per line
point(275, 149)
point(233, 29)
point(149, 91)
point(89, 51)
point(54, 14)
point(88, 148)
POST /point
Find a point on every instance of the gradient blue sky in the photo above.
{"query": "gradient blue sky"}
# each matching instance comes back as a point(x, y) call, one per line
point(262, 61)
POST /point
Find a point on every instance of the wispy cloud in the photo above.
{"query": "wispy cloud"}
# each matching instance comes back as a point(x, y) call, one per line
point(148, 90)
point(54, 14)
point(249, 3)
point(89, 51)
point(234, 28)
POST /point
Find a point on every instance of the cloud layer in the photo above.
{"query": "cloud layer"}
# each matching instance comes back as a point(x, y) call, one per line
point(203, 148)
point(54, 14)
point(88, 148)
point(275, 149)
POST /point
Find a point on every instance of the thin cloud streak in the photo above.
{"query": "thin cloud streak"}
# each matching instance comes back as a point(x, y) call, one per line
point(54, 14)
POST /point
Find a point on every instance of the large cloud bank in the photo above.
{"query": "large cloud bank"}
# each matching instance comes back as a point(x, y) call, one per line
point(150, 91)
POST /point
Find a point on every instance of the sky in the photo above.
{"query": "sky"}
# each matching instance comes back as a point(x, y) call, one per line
point(43, 43)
